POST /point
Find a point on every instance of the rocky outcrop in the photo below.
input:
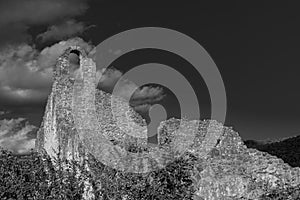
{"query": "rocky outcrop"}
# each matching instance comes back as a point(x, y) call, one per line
point(222, 166)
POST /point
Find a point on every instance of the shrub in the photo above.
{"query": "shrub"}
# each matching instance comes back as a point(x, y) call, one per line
point(34, 176)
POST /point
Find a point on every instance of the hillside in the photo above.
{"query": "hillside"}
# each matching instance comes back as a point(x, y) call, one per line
point(287, 149)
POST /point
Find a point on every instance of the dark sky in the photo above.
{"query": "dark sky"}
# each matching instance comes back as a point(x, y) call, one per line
point(254, 45)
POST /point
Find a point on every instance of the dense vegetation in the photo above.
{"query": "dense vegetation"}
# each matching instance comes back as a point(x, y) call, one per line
point(34, 176)
point(288, 150)
point(291, 193)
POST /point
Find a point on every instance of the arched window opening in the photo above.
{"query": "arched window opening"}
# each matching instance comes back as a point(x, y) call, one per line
point(74, 61)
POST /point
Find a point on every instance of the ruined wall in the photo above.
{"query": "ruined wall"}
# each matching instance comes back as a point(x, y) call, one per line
point(57, 133)
point(225, 168)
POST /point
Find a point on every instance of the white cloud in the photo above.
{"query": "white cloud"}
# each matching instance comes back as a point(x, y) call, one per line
point(63, 30)
point(146, 96)
point(142, 107)
point(17, 135)
point(26, 73)
point(4, 112)
point(34, 12)
point(141, 99)
point(16, 16)
point(49, 55)
point(148, 92)
point(110, 77)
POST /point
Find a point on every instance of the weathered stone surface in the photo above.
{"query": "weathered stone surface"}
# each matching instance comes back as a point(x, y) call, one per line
point(231, 170)
point(57, 133)
point(224, 169)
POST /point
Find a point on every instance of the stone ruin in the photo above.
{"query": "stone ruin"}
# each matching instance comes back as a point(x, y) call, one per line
point(225, 167)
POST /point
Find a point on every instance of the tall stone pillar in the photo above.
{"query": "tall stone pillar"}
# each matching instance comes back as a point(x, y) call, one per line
point(57, 134)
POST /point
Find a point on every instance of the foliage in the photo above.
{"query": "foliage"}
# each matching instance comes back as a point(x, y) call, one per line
point(34, 176)
point(292, 193)
point(172, 182)
point(288, 150)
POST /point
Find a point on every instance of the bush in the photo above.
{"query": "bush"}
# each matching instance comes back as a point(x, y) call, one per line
point(172, 182)
point(34, 176)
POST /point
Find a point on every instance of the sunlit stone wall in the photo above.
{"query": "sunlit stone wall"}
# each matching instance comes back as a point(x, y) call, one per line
point(57, 133)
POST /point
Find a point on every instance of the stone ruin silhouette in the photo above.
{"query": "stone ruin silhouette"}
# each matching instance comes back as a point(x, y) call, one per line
point(225, 167)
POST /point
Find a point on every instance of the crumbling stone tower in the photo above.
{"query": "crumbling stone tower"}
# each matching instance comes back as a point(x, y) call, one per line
point(225, 168)
point(57, 133)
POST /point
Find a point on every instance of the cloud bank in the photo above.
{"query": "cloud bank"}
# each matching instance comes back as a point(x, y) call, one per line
point(26, 73)
point(142, 97)
point(63, 31)
point(17, 135)
point(17, 16)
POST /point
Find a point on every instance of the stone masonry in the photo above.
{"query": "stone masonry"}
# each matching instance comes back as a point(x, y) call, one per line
point(225, 167)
